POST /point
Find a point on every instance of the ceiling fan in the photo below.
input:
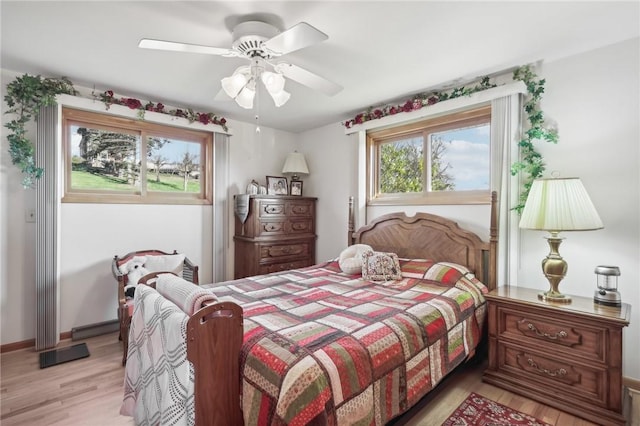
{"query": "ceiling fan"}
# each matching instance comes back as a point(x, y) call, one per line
point(261, 43)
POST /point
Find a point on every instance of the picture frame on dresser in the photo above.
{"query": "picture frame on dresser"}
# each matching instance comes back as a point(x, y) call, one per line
point(296, 187)
point(277, 185)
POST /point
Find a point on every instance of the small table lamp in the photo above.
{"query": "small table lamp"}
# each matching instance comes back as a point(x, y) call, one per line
point(295, 164)
point(555, 205)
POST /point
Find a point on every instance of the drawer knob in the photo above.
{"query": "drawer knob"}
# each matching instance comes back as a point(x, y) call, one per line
point(559, 335)
point(557, 373)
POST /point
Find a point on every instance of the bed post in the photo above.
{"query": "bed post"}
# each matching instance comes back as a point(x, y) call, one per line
point(493, 241)
point(351, 228)
point(214, 341)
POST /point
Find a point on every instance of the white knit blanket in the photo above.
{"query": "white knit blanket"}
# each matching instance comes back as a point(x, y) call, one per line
point(183, 293)
point(158, 385)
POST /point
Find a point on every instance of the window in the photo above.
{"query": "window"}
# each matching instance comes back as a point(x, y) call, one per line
point(111, 159)
point(435, 161)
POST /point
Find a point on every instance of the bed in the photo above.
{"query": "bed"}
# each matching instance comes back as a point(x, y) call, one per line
point(319, 346)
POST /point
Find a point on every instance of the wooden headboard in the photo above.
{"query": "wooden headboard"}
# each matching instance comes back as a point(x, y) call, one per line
point(428, 236)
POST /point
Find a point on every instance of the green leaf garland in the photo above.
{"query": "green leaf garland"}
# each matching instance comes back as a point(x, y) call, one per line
point(27, 94)
point(531, 164)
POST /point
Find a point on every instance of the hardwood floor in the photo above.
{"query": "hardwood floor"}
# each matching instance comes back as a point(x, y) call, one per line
point(88, 391)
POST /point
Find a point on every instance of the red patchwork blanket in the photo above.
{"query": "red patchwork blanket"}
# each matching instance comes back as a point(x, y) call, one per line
point(321, 345)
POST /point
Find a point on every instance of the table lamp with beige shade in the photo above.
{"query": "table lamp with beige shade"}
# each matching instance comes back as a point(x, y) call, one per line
point(556, 205)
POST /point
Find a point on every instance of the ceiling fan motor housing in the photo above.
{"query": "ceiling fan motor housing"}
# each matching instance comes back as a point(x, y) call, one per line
point(249, 36)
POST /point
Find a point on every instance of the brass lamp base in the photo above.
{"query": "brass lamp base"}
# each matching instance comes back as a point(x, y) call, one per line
point(554, 268)
point(549, 296)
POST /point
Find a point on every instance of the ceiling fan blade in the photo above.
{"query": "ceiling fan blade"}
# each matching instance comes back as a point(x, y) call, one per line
point(147, 43)
point(308, 78)
point(295, 38)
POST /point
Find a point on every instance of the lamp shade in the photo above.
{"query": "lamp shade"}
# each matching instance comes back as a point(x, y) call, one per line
point(295, 164)
point(560, 204)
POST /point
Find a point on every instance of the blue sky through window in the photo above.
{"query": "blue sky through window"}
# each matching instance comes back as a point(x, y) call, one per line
point(468, 154)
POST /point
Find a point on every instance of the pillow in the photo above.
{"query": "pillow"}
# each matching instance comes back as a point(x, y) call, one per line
point(165, 263)
point(379, 266)
point(444, 272)
point(415, 268)
point(350, 259)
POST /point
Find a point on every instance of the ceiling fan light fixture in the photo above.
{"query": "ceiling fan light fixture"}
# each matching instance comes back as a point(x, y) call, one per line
point(245, 97)
point(236, 82)
point(280, 98)
point(274, 82)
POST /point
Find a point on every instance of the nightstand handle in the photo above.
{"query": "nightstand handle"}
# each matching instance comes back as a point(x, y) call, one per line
point(559, 372)
point(560, 334)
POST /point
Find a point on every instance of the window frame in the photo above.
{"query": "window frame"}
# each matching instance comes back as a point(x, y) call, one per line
point(71, 116)
point(468, 117)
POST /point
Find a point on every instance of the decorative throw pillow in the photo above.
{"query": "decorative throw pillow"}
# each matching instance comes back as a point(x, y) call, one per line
point(165, 263)
point(350, 259)
point(379, 266)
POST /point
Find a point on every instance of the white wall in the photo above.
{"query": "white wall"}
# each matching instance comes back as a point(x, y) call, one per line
point(593, 97)
point(92, 234)
point(17, 244)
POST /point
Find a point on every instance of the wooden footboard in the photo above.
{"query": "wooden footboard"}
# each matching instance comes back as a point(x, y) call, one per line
point(214, 340)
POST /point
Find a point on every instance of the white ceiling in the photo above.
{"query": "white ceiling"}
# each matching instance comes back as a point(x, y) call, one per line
point(379, 51)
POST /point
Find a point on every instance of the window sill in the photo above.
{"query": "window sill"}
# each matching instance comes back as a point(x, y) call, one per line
point(432, 198)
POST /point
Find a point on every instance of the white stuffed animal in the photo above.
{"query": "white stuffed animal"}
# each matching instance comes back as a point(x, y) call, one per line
point(135, 270)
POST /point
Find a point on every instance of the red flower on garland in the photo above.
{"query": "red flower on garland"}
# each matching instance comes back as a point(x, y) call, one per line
point(204, 118)
point(132, 103)
point(417, 102)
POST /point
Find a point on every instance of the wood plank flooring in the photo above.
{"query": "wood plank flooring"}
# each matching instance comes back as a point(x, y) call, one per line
point(88, 392)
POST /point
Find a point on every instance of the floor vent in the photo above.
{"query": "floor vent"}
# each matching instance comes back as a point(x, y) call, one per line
point(91, 330)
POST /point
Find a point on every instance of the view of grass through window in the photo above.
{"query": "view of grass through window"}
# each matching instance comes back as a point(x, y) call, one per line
point(111, 160)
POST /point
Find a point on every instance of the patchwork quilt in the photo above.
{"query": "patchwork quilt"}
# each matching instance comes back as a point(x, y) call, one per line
point(324, 346)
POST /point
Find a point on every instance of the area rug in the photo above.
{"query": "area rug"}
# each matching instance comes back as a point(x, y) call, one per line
point(477, 410)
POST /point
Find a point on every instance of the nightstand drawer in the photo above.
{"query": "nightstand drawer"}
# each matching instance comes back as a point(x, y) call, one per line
point(545, 371)
point(553, 333)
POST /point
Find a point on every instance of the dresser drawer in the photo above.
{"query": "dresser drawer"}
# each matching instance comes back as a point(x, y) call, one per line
point(281, 208)
point(554, 333)
point(546, 371)
point(284, 226)
point(277, 252)
point(277, 267)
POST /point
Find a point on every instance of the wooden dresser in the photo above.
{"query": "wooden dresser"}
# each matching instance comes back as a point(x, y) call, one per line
point(567, 356)
point(279, 234)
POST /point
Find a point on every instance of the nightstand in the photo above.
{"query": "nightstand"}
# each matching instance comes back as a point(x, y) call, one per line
point(567, 356)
